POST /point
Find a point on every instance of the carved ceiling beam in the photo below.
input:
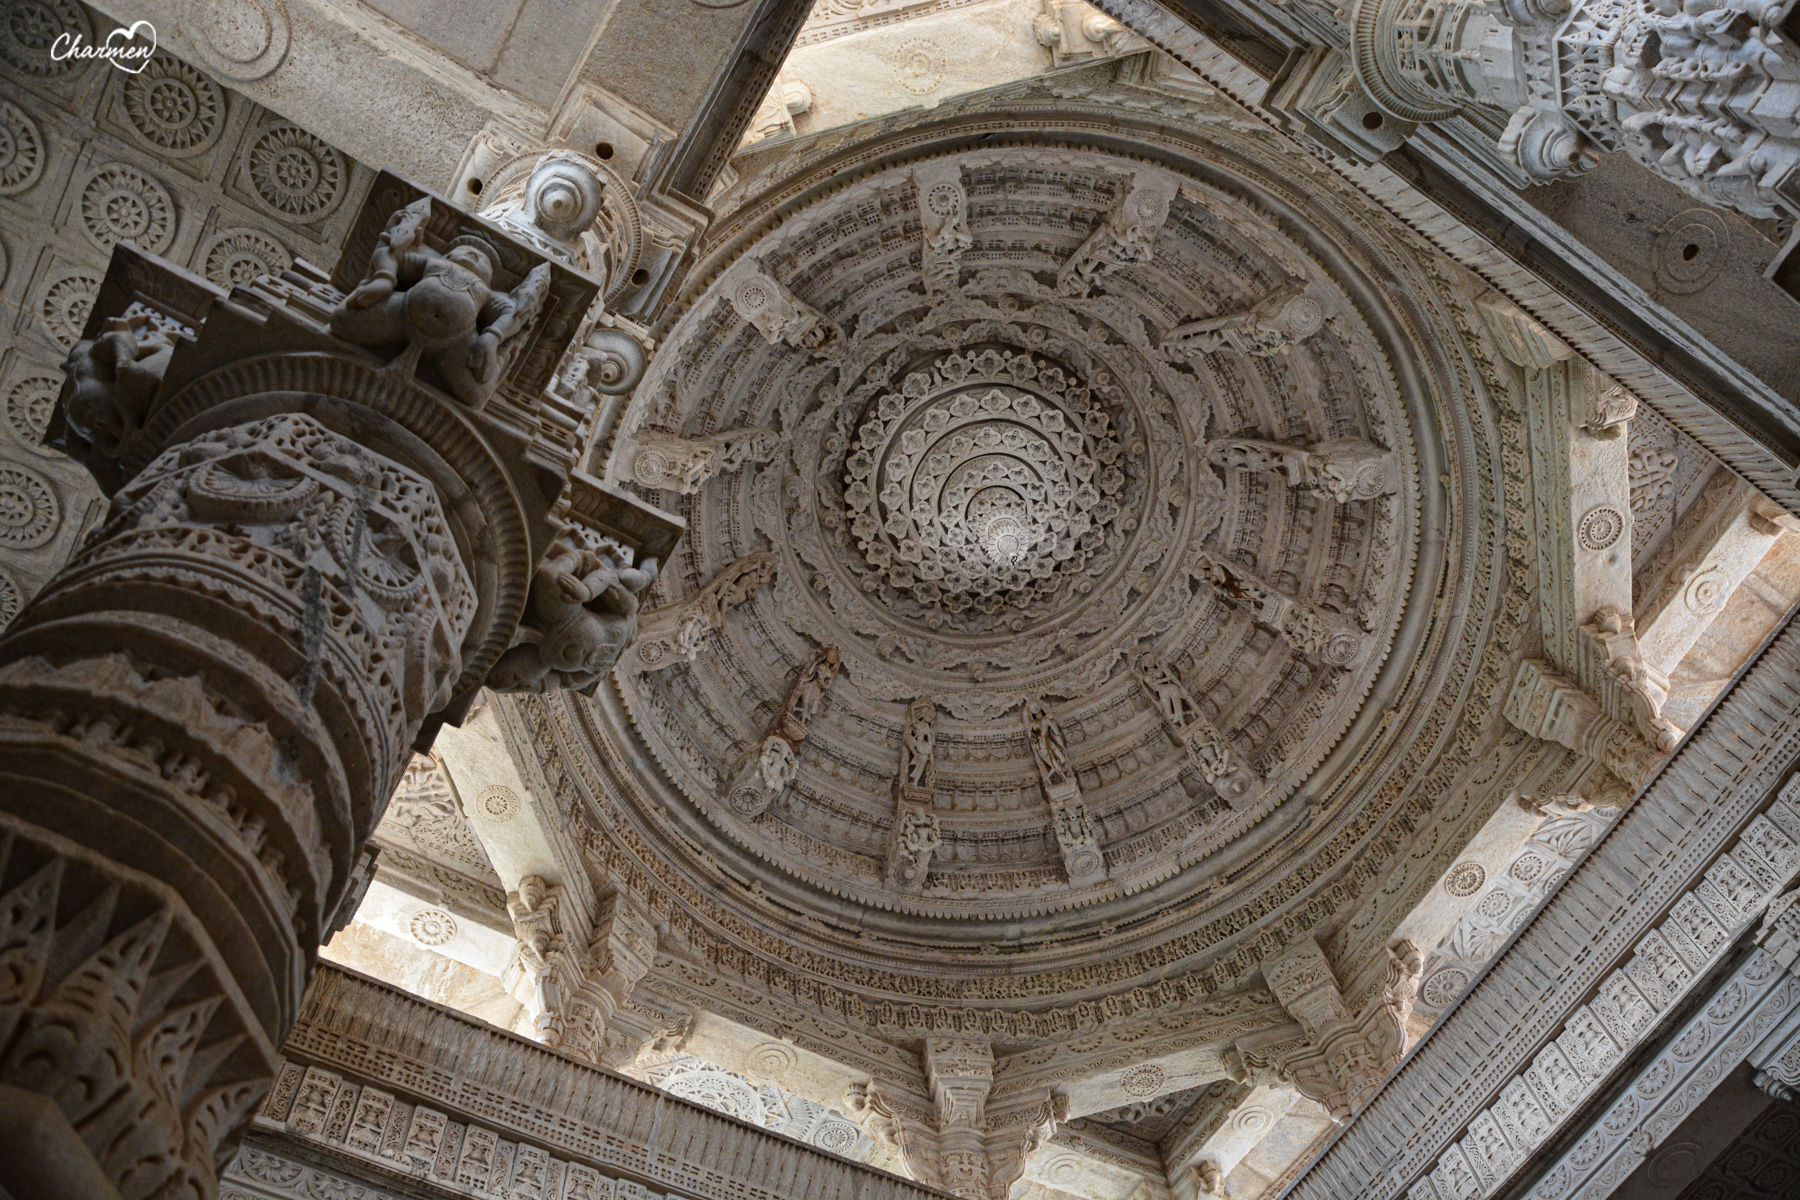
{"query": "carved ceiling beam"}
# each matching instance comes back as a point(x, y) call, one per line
point(1322, 636)
point(944, 223)
point(675, 633)
point(1126, 236)
point(1208, 750)
point(1202, 1160)
point(916, 836)
point(1082, 857)
point(1267, 329)
point(1720, 541)
point(1581, 480)
point(1342, 470)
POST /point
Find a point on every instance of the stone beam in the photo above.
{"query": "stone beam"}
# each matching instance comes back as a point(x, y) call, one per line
point(1198, 1162)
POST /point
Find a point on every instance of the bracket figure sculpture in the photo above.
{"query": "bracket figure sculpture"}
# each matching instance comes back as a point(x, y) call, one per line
point(1125, 237)
point(1208, 750)
point(779, 315)
point(663, 460)
point(1083, 860)
point(581, 618)
point(1269, 328)
point(1324, 637)
point(775, 765)
point(112, 379)
point(535, 910)
point(917, 835)
point(944, 221)
point(1343, 470)
point(440, 307)
point(675, 633)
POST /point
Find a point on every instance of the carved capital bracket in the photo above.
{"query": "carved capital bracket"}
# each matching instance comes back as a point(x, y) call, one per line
point(1343, 470)
point(1547, 703)
point(944, 222)
point(772, 769)
point(779, 315)
point(916, 835)
point(1269, 328)
point(662, 460)
point(675, 633)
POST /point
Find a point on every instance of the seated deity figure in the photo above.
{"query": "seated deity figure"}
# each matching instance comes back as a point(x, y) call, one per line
point(443, 303)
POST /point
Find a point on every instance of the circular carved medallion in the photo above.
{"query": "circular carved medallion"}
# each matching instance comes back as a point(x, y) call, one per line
point(64, 308)
point(1706, 591)
point(173, 107)
point(122, 204)
point(1495, 905)
point(835, 1137)
point(295, 174)
point(1601, 527)
point(432, 927)
point(1443, 985)
point(21, 150)
point(29, 28)
point(918, 66)
point(1145, 1079)
point(771, 1060)
point(1691, 251)
point(1465, 879)
point(497, 804)
point(238, 256)
point(28, 509)
point(29, 403)
point(1527, 868)
point(241, 39)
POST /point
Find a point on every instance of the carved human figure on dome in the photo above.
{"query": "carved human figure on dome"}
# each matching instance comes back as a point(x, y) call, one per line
point(444, 304)
point(1172, 699)
point(920, 744)
point(807, 695)
point(1048, 745)
point(918, 838)
point(111, 381)
point(583, 612)
point(1268, 328)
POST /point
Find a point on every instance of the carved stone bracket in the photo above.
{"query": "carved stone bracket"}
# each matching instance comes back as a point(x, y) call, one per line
point(1208, 750)
point(778, 314)
point(1324, 637)
point(916, 836)
point(675, 633)
point(1547, 703)
point(1270, 327)
point(1125, 237)
point(1342, 470)
point(775, 765)
point(662, 460)
point(1082, 857)
point(944, 221)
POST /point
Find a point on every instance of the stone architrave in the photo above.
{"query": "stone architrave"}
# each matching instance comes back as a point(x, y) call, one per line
point(675, 633)
point(1208, 750)
point(1125, 237)
point(778, 314)
point(662, 460)
point(1343, 470)
point(317, 550)
point(944, 222)
point(1270, 327)
point(1324, 637)
point(916, 835)
point(1082, 857)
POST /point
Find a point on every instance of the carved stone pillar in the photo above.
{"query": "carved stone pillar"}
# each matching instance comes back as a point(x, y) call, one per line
point(319, 544)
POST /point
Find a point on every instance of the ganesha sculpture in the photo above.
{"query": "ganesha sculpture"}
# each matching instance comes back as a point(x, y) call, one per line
point(440, 307)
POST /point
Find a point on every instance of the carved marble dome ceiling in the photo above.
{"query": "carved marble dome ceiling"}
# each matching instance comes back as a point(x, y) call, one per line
point(1001, 493)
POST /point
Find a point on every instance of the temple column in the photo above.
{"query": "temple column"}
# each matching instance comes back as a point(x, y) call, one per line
point(330, 499)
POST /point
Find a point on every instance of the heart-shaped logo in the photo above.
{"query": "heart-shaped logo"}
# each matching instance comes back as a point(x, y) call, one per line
point(123, 50)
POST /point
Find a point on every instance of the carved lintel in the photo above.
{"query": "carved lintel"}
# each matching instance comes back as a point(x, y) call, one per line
point(778, 314)
point(675, 633)
point(1270, 327)
point(944, 221)
point(1342, 470)
point(1209, 751)
point(662, 460)
point(1324, 637)
point(1125, 237)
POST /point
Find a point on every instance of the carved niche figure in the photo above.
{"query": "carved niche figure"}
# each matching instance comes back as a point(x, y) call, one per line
point(536, 925)
point(918, 767)
point(111, 380)
point(441, 305)
point(777, 764)
point(1172, 699)
point(581, 616)
point(918, 838)
point(1048, 745)
point(1271, 327)
point(1208, 1179)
